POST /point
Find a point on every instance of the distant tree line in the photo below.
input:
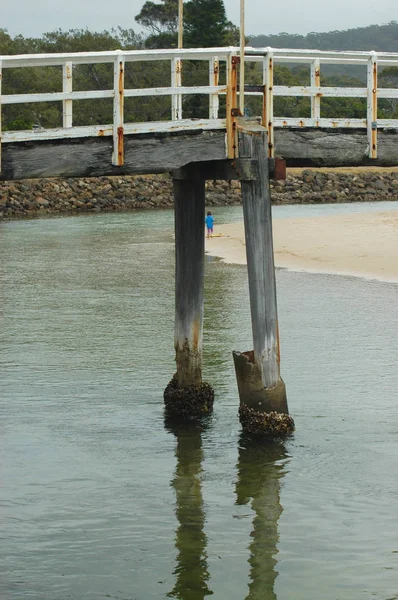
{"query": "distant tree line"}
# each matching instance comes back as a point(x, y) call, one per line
point(205, 25)
point(381, 38)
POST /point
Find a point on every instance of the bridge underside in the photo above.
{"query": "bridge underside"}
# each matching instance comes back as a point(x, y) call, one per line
point(160, 153)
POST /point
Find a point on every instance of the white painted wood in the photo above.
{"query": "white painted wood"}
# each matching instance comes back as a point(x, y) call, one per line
point(118, 111)
point(56, 96)
point(41, 60)
point(67, 87)
point(371, 102)
point(326, 123)
point(309, 55)
point(251, 54)
point(326, 92)
point(387, 93)
point(176, 81)
point(316, 82)
point(214, 71)
point(107, 130)
point(387, 123)
point(96, 94)
point(242, 58)
point(268, 120)
point(171, 91)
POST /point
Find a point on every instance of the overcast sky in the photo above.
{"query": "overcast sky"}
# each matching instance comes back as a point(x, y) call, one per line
point(34, 17)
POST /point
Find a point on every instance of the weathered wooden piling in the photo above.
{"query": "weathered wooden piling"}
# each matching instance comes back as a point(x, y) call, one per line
point(187, 395)
point(263, 403)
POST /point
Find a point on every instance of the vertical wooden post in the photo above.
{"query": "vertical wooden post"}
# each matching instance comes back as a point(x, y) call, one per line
point(261, 388)
point(213, 80)
point(189, 197)
point(67, 86)
point(186, 394)
point(315, 82)
point(371, 115)
point(232, 87)
point(268, 100)
point(118, 111)
point(176, 99)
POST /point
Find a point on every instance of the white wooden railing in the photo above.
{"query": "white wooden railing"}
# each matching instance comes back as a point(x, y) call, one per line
point(215, 57)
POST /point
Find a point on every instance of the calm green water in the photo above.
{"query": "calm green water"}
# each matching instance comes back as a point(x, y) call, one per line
point(100, 498)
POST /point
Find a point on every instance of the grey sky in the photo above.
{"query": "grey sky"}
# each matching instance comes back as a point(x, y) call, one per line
point(34, 17)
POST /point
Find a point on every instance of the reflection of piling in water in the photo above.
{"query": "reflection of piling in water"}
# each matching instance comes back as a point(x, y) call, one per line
point(192, 570)
point(259, 477)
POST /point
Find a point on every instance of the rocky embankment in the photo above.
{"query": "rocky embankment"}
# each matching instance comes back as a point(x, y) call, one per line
point(38, 197)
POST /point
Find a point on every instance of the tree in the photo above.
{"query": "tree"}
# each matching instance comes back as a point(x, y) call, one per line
point(161, 21)
point(206, 24)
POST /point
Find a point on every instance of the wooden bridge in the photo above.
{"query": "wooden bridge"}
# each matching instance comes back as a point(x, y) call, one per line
point(224, 145)
point(161, 146)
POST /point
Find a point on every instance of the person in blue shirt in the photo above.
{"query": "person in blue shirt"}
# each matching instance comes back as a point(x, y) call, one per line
point(209, 224)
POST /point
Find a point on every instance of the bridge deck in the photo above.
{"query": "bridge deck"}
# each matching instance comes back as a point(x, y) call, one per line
point(149, 147)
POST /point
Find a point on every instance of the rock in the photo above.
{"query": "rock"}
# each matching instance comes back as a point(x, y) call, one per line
point(27, 198)
point(42, 201)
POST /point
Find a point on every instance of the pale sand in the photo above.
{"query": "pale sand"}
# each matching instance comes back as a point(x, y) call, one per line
point(362, 244)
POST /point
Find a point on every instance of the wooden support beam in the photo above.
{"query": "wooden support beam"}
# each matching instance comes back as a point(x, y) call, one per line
point(261, 388)
point(164, 152)
point(260, 256)
point(189, 198)
point(187, 395)
point(230, 170)
point(92, 157)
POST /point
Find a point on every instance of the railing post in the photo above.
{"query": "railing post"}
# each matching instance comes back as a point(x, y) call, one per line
point(268, 100)
point(232, 83)
point(176, 99)
point(67, 87)
point(118, 111)
point(372, 105)
point(213, 80)
point(315, 82)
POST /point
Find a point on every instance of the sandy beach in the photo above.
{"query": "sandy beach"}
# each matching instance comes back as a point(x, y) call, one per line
point(361, 244)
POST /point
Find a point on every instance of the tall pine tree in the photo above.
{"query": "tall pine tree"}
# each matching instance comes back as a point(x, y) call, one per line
point(205, 24)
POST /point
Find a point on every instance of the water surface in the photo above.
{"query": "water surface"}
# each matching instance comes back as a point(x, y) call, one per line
point(100, 498)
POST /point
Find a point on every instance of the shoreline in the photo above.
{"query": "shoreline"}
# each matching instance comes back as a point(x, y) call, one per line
point(38, 197)
point(356, 245)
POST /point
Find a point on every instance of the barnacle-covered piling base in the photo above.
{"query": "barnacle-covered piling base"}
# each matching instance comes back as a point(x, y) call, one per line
point(188, 402)
point(263, 411)
point(270, 425)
